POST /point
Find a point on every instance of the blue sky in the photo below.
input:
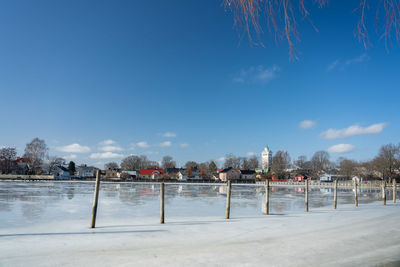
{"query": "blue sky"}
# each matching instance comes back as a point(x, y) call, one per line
point(100, 80)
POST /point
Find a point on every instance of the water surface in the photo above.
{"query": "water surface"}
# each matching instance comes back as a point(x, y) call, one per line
point(27, 203)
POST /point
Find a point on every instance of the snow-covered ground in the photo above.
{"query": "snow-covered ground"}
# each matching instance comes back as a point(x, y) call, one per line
point(47, 224)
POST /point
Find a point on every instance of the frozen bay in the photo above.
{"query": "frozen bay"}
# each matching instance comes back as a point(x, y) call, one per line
point(27, 203)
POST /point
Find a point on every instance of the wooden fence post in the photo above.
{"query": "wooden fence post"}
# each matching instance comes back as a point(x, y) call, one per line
point(306, 194)
point(228, 200)
point(384, 193)
point(162, 189)
point(96, 200)
point(394, 190)
point(355, 194)
point(335, 195)
point(267, 197)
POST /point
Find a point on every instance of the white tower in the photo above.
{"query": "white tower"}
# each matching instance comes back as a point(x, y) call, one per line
point(266, 158)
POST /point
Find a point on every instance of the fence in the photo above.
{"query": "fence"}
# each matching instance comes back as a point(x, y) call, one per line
point(307, 190)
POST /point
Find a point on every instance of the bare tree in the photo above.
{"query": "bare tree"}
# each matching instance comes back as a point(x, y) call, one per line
point(320, 162)
point(280, 162)
point(54, 161)
point(7, 159)
point(152, 164)
point(245, 163)
point(191, 165)
point(111, 166)
point(281, 18)
point(387, 160)
point(348, 167)
point(35, 153)
point(253, 163)
point(167, 162)
point(231, 161)
point(212, 168)
point(301, 162)
point(131, 163)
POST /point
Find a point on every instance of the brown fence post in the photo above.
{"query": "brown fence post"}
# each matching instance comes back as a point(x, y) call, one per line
point(306, 195)
point(96, 200)
point(228, 200)
point(394, 190)
point(162, 189)
point(267, 197)
point(383, 192)
point(335, 195)
point(355, 194)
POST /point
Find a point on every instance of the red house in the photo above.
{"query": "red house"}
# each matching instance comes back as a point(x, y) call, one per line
point(151, 173)
point(301, 178)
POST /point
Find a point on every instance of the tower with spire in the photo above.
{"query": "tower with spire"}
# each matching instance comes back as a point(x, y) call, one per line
point(266, 158)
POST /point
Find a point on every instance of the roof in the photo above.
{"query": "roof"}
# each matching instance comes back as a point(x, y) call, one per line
point(266, 149)
point(21, 160)
point(62, 168)
point(150, 171)
point(227, 170)
point(172, 170)
point(130, 172)
point(86, 168)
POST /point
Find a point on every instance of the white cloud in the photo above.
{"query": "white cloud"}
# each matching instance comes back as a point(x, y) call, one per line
point(221, 159)
point(364, 57)
point(169, 134)
point(111, 148)
point(143, 144)
point(105, 155)
point(337, 64)
point(341, 148)
point(332, 65)
point(165, 144)
point(251, 154)
point(353, 130)
point(307, 124)
point(107, 142)
point(74, 148)
point(152, 152)
point(184, 145)
point(257, 74)
point(72, 156)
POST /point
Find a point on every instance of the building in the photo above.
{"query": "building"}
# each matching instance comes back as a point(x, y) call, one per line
point(266, 158)
point(129, 174)
point(248, 174)
point(60, 172)
point(151, 173)
point(21, 166)
point(229, 174)
point(85, 171)
point(177, 173)
point(112, 173)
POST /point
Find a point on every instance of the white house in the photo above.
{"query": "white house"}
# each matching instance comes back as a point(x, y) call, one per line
point(325, 178)
point(60, 172)
point(84, 171)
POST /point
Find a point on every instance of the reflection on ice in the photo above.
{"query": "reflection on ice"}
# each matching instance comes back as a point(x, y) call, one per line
point(23, 203)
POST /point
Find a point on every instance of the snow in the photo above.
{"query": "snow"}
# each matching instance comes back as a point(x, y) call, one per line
point(195, 233)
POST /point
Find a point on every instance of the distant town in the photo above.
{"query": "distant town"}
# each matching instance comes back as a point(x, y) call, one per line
point(276, 166)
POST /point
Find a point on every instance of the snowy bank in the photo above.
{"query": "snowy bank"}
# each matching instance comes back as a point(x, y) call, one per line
point(365, 236)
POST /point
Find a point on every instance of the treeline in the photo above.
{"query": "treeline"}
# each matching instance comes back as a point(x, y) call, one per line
point(246, 163)
point(386, 164)
point(135, 163)
point(36, 157)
